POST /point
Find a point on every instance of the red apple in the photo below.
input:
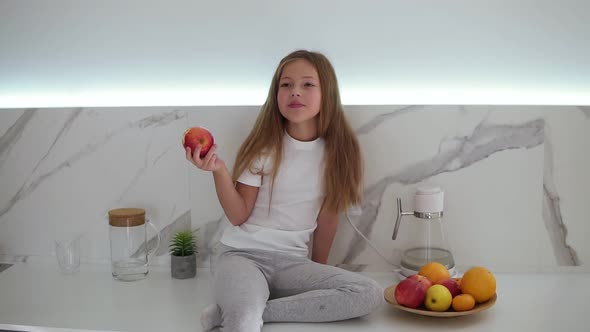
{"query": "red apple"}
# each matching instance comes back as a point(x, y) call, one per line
point(411, 292)
point(422, 279)
point(198, 136)
point(451, 285)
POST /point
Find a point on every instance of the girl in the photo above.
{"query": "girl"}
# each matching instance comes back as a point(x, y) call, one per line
point(299, 167)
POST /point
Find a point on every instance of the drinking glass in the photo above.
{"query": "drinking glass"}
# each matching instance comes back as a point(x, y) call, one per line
point(67, 252)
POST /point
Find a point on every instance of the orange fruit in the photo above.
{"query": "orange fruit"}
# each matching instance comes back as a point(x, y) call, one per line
point(434, 271)
point(480, 283)
point(463, 302)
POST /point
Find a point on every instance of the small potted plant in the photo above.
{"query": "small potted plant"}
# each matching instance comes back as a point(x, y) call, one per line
point(183, 252)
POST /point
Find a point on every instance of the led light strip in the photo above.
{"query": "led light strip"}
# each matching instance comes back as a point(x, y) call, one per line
point(257, 96)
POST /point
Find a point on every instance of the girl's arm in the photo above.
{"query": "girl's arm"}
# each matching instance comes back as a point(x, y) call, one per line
point(323, 236)
point(236, 200)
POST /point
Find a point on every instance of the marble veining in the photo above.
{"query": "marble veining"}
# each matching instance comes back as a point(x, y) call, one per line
point(168, 149)
point(209, 234)
point(382, 118)
point(182, 223)
point(485, 140)
point(14, 258)
point(20, 125)
point(556, 228)
point(139, 173)
point(468, 137)
point(14, 133)
point(33, 180)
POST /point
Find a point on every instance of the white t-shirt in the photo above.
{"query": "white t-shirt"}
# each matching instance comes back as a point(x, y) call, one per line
point(296, 201)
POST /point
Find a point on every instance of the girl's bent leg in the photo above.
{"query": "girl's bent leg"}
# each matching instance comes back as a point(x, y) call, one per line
point(312, 292)
point(241, 292)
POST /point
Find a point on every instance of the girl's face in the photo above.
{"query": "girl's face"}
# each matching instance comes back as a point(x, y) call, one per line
point(299, 96)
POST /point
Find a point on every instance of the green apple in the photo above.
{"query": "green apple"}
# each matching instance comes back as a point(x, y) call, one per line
point(438, 298)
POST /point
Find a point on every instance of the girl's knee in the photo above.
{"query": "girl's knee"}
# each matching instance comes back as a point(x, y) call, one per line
point(372, 294)
point(377, 292)
point(241, 318)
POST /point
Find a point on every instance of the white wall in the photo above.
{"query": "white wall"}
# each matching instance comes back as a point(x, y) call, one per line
point(180, 52)
point(515, 179)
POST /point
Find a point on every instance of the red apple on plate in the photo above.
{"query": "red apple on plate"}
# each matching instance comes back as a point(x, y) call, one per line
point(198, 136)
point(422, 279)
point(451, 285)
point(411, 292)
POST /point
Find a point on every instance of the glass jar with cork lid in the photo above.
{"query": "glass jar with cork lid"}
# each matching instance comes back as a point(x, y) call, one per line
point(128, 236)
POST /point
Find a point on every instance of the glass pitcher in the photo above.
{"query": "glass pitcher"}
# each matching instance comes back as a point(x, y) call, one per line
point(129, 250)
point(425, 237)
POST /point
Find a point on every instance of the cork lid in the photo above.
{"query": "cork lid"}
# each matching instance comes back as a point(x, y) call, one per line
point(126, 217)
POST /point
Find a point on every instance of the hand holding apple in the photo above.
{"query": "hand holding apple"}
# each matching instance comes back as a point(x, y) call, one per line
point(198, 136)
point(200, 150)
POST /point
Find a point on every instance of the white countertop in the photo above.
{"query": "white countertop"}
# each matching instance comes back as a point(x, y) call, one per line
point(37, 297)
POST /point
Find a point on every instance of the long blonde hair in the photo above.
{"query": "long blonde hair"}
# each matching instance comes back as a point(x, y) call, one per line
point(343, 173)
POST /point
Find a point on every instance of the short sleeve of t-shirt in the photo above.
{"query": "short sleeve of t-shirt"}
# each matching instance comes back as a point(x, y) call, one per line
point(254, 179)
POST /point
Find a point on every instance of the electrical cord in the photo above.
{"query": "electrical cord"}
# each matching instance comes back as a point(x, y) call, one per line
point(397, 269)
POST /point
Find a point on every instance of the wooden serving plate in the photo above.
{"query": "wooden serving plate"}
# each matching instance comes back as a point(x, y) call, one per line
point(479, 307)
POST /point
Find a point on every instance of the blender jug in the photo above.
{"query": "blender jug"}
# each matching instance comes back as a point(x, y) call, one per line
point(425, 237)
point(128, 235)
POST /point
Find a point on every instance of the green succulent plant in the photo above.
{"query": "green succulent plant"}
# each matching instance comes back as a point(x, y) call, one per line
point(183, 244)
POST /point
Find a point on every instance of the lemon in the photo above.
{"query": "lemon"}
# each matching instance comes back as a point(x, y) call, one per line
point(438, 298)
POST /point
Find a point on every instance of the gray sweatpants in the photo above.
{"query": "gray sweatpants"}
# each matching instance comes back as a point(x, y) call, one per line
point(253, 286)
